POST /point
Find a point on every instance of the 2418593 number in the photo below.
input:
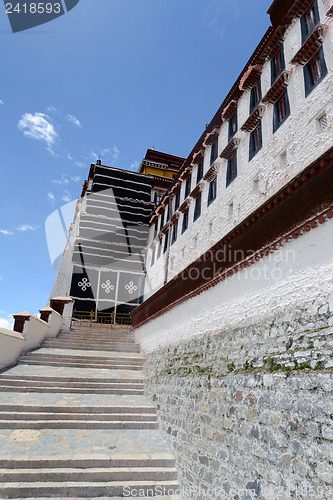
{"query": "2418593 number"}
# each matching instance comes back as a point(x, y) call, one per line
point(33, 8)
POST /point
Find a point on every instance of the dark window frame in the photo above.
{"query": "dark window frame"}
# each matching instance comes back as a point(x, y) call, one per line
point(278, 64)
point(162, 220)
point(214, 151)
point(166, 242)
point(233, 125)
point(188, 186)
point(255, 99)
point(310, 82)
point(197, 208)
point(231, 169)
point(279, 106)
point(177, 200)
point(309, 21)
point(212, 191)
point(185, 221)
point(174, 233)
point(255, 143)
point(200, 171)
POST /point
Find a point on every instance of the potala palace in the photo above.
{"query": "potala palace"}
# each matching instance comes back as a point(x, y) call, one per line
point(223, 262)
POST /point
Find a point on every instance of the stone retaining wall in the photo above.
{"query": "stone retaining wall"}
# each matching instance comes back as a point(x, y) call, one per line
point(248, 412)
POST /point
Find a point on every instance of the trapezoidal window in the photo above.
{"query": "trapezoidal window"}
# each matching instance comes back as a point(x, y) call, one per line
point(185, 222)
point(255, 141)
point(309, 21)
point(197, 208)
point(277, 64)
point(314, 71)
point(231, 169)
point(281, 111)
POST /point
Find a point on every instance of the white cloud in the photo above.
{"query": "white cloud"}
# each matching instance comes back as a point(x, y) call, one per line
point(51, 198)
point(76, 178)
point(62, 180)
point(73, 120)
point(1, 102)
point(26, 227)
point(108, 155)
point(7, 322)
point(80, 164)
point(134, 165)
point(67, 197)
point(69, 157)
point(37, 126)
point(5, 232)
point(51, 109)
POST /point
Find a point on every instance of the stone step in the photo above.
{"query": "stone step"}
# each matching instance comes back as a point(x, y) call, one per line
point(118, 347)
point(91, 461)
point(65, 416)
point(76, 424)
point(92, 336)
point(90, 359)
point(87, 489)
point(89, 474)
point(71, 382)
point(81, 364)
point(73, 390)
point(91, 410)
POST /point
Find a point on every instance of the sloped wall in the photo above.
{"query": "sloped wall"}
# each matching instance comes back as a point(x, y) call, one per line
point(249, 411)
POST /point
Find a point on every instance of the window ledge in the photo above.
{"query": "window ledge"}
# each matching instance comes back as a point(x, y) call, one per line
point(251, 77)
point(275, 43)
point(277, 89)
point(174, 218)
point(211, 173)
point(254, 119)
point(230, 149)
point(197, 190)
point(211, 137)
point(185, 205)
point(229, 110)
point(311, 45)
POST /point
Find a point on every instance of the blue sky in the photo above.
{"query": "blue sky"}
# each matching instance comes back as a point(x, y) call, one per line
point(111, 78)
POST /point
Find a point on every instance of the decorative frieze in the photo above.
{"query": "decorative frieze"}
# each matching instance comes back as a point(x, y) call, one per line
point(250, 77)
point(229, 110)
point(254, 119)
point(230, 149)
point(274, 43)
point(211, 137)
point(185, 205)
point(277, 89)
point(311, 46)
point(197, 190)
point(211, 172)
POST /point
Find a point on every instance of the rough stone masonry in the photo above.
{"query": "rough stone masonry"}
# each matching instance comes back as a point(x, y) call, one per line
point(249, 412)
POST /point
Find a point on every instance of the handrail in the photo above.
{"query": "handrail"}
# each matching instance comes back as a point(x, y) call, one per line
point(92, 318)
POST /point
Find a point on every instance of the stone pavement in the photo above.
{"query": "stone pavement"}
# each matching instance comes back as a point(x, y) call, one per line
point(74, 423)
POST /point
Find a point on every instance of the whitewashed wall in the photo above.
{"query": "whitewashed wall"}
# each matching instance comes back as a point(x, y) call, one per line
point(300, 137)
point(295, 276)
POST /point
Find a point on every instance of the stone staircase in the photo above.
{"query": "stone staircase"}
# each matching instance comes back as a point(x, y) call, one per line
point(74, 423)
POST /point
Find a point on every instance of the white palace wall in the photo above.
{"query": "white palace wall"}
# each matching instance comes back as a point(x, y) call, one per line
point(295, 276)
point(297, 142)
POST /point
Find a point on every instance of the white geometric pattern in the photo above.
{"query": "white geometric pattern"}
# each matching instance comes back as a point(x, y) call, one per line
point(84, 284)
point(130, 287)
point(107, 286)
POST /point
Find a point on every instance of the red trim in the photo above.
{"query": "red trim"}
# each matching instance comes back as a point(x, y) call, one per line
point(184, 206)
point(19, 323)
point(304, 203)
point(197, 190)
point(229, 110)
point(211, 173)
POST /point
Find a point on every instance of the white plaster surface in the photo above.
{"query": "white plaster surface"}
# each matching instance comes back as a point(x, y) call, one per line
point(11, 345)
point(300, 136)
point(296, 275)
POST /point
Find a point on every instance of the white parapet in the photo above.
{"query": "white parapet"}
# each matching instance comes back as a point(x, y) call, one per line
point(11, 346)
